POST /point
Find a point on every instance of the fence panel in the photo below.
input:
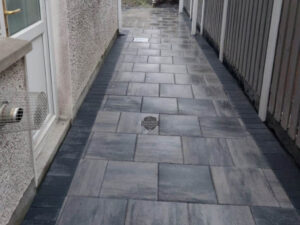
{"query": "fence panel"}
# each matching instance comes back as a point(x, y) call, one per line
point(247, 32)
point(213, 20)
point(186, 5)
point(284, 102)
point(199, 14)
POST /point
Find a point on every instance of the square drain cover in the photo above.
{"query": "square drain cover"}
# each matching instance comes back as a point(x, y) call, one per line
point(141, 40)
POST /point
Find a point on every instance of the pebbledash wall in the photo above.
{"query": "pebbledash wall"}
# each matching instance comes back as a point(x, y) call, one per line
point(267, 66)
point(80, 32)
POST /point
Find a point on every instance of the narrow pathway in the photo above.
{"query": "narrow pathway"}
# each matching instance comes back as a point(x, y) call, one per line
point(174, 142)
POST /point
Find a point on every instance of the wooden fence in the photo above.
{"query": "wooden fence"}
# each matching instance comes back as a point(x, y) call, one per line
point(245, 50)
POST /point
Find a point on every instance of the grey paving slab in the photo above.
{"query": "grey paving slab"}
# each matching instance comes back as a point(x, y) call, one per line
point(154, 40)
point(111, 146)
point(90, 211)
point(176, 91)
point(185, 60)
point(143, 89)
point(275, 216)
point(171, 53)
point(189, 79)
point(88, 178)
point(224, 108)
point(117, 88)
point(132, 123)
point(209, 92)
point(277, 188)
point(130, 180)
point(242, 187)
point(160, 60)
point(135, 58)
point(159, 105)
point(169, 68)
point(139, 45)
point(130, 51)
point(158, 149)
point(246, 154)
point(148, 68)
point(156, 213)
point(149, 52)
point(124, 67)
point(212, 79)
point(185, 183)
point(167, 78)
point(199, 69)
point(197, 107)
point(123, 103)
point(222, 127)
point(179, 125)
point(206, 151)
point(130, 77)
point(106, 121)
point(161, 46)
point(220, 215)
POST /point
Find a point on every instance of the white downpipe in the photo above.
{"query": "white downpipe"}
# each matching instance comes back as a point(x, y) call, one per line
point(120, 14)
point(181, 6)
point(270, 57)
point(202, 17)
point(223, 30)
point(194, 18)
point(191, 8)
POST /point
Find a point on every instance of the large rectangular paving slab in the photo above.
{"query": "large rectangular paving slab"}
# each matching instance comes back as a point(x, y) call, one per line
point(91, 211)
point(158, 149)
point(88, 178)
point(123, 103)
point(144, 67)
point(156, 213)
point(206, 151)
point(186, 183)
point(133, 180)
point(132, 123)
point(176, 91)
point(168, 68)
point(111, 146)
point(130, 77)
point(242, 187)
point(189, 79)
point(275, 216)
point(222, 127)
point(106, 121)
point(197, 107)
point(179, 125)
point(246, 154)
point(143, 89)
point(220, 215)
point(225, 109)
point(160, 105)
point(165, 78)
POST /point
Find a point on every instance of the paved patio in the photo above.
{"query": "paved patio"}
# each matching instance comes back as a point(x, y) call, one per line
point(210, 161)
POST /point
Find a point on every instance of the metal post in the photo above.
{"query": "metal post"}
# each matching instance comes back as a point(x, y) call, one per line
point(181, 6)
point(191, 9)
point(120, 14)
point(270, 57)
point(202, 17)
point(223, 30)
point(194, 18)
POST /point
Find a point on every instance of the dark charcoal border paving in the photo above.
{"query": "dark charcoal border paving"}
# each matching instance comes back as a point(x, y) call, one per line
point(53, 190)
point(283, 165)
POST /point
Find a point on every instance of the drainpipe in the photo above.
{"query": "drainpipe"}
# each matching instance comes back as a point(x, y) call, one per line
point(223, 30)
point(270, 57)
point(194, 17)
point(202, 17)
point(181, 6)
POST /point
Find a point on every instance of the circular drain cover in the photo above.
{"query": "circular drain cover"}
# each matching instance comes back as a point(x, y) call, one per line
point(150, 123)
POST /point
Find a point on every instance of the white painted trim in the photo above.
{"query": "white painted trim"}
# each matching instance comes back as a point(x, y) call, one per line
point(202, 17)
point(2, 21)
point(191, 9)
point(194, 18)
point(120, 21)
point(270, 57)
point(223, 30)
point(180, 8)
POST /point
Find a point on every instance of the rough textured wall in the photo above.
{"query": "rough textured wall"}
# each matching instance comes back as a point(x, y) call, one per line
point(92, 25)
point(16, 166)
